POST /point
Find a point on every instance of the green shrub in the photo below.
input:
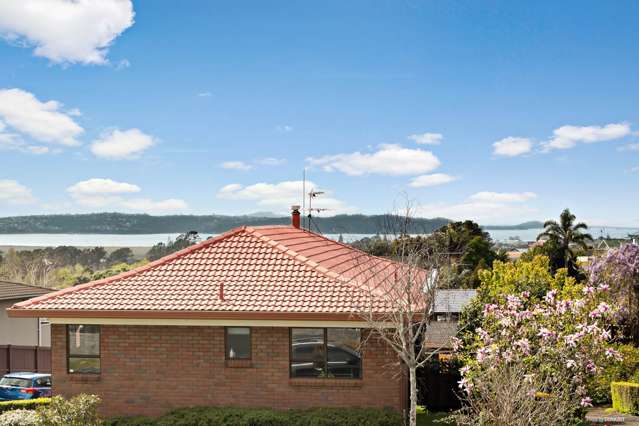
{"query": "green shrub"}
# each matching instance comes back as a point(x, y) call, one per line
point(625, 397)
point(23, 404)
point(19, 418)
point(213, 416)
point(625, 371)
point(81, 410)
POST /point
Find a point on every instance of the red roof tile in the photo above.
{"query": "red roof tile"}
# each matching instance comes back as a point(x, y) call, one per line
point(273, 269)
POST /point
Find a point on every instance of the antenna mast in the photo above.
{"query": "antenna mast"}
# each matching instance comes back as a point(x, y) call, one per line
point(304, 197)
point(312, 194)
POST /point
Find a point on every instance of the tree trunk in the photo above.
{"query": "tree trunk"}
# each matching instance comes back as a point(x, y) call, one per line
point(412, 417)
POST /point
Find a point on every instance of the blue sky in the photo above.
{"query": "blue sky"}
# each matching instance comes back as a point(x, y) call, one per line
point(498, 111)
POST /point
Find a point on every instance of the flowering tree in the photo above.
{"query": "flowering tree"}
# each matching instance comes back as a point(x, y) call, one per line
point(549, 347)
point(619, 269)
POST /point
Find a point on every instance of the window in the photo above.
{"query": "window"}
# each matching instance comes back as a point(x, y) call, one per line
point(325, 353)
point(238, 343)
point(83, 349)
point(42, 382)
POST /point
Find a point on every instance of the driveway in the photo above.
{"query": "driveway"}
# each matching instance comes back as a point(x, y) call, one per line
point(605, 417)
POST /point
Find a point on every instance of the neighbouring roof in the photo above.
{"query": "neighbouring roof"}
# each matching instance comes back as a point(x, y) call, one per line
point(249, 272)
point(452, 301)
point(12, 291)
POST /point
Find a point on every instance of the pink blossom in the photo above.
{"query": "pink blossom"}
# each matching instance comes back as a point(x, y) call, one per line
point(550, 296)
point(546, 334)
point(586, 401)
point(571, 364)
point(524, 345)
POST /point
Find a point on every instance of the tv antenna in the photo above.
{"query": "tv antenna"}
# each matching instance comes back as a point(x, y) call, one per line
point(311, 195)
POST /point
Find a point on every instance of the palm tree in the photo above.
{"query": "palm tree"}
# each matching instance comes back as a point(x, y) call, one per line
point(567, 236)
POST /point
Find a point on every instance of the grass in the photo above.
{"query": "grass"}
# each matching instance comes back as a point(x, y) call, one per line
point(426, 418)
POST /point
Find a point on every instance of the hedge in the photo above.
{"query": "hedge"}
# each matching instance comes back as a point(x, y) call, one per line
point(24, 404)
point(213, 416)
point(625, 397)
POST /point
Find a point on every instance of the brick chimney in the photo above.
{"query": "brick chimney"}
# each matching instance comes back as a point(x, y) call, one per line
point(295, 216)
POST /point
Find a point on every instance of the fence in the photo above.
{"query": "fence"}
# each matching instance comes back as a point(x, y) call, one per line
point(25, 358)
point(438, 387)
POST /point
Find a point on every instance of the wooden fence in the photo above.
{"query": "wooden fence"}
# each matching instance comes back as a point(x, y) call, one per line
point(14, 358)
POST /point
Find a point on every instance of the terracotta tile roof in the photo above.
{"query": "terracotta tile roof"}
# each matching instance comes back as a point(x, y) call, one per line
point(271, 269)
point(12, 291)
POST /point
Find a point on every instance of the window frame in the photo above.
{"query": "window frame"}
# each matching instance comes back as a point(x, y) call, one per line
point(98, 356)
point(226, 344)
point(325, 376)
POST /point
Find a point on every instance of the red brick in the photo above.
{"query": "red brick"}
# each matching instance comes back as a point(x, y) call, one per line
point(152, 369)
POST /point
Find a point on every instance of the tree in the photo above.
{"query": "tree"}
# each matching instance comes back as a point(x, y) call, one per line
point(399, 303)
point(565, 236)
point(181, 242)
point(121, 255)
point(619, 270)
point(551, 347)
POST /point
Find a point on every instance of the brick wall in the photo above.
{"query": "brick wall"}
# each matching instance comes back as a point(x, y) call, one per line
point(152, 369)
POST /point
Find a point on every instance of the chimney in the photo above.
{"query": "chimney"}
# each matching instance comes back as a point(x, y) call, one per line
point(295, 216)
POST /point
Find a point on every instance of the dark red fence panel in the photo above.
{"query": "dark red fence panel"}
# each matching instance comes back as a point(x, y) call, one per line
point(15, 358)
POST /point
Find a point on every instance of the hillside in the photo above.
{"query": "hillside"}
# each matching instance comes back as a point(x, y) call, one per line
point(120, 223)
point(526, 225)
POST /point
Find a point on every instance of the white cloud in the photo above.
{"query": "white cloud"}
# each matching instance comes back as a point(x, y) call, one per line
point(486, 208)
point(66, 31)
point(98, 192)
point(427, 138)
point(12, 192)
point(566, 137)
point(503, 197)
point(512, 146)
point(122, 144)
point(12, 142)
point(42, 121)
point(236, 165)
point(387, 160)
point(482, 212)
point(270, 161)
point(282, 195)
point(98, 186)
point(432, 180)
point(204, 94)
point(284, 128)
point(122, 64)
point(629, 147)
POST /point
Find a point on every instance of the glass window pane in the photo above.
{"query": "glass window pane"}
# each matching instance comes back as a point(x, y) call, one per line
point(238, 342)
point(344, 358)
point(307, 352)
point(307, 344)
point(84, 340)
point(15, 382)
point(84, 365)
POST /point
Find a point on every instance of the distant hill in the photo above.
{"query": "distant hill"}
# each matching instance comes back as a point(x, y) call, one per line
point(120, 223)
point(534, 224)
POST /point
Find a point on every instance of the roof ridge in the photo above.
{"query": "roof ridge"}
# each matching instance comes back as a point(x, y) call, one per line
point(297, 256)
point(132, 272)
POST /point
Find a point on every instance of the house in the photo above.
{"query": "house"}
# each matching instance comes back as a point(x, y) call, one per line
point(449, 303)
point(22, 331)
point(256, 317)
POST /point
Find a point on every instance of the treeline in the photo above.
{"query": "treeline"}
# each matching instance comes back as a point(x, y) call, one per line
point(64, 266)
point(467, 249)
point(121, 223)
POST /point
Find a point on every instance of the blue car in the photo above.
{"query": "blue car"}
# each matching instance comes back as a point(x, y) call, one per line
point(25, 386)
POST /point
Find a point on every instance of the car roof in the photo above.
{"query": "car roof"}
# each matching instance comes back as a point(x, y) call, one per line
point(26, 375)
